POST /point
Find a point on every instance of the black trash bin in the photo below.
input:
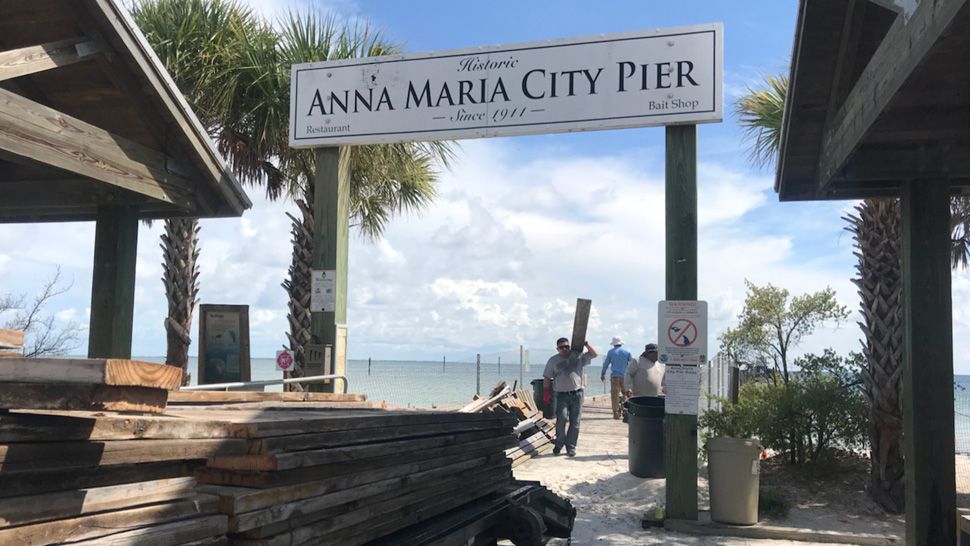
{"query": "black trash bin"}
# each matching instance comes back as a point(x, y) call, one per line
point(646, 436)
point(548, 411)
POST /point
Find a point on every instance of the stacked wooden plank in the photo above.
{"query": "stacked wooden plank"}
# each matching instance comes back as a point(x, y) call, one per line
point(89, 478)
point(355, 476)
point(257, 400)
point(11, 343)
point(86, 384)
point(535, 434)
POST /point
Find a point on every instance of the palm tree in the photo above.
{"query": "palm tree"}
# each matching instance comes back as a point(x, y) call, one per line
point(875, 226)
point(235, 68)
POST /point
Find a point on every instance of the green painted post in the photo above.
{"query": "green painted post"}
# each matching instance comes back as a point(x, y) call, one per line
point(928, 364)
point(331, 223)
point(113, 282)
point(680, 431)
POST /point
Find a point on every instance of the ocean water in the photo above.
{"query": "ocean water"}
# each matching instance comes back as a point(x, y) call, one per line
point(417, 383)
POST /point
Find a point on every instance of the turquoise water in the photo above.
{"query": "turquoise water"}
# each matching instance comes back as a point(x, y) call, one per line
point(415, 383)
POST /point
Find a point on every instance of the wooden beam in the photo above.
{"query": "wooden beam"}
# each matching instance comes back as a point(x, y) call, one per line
point(30, 60)
point(32, 130)
point(911, 163)
point(680, 431)
point(11, 339)
point(580, 324)
point(96, 371)
point(893, 64)
point(113, 282)
point(83, 397)
point(928, 364)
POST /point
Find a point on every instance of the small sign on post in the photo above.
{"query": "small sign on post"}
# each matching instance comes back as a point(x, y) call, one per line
point(285, 361)
point(682, 329)
point(323, 294)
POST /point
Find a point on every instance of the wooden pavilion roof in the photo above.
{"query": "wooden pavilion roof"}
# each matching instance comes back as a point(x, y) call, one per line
point(879, 94)
point(89, 117)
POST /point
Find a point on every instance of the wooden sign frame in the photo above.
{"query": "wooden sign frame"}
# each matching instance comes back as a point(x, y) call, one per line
point(223, 337)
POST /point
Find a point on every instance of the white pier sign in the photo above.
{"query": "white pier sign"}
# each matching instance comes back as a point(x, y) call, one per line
point(635, 79)
point(682, 332)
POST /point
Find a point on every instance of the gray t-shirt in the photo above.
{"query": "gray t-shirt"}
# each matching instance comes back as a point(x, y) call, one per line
point(566, 373)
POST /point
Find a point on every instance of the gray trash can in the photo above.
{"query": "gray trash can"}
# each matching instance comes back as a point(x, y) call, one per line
point(734, 473)
point(646, 436)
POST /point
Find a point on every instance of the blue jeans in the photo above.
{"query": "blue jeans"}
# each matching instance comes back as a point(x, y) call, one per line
point(569, 407)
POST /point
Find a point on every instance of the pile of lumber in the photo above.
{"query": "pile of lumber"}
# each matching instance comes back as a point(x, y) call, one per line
point(258, 400)
point(86, 384)
point(11, 343)
point(106, 479)
point(535, 434)
point(351, 478)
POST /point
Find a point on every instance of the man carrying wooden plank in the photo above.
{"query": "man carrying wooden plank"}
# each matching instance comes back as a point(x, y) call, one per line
point(564, 376)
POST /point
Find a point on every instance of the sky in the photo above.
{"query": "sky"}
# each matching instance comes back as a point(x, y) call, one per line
point(523, 226)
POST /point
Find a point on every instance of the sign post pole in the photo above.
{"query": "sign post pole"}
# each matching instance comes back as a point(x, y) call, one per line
point(331, 223)
point(680, 431)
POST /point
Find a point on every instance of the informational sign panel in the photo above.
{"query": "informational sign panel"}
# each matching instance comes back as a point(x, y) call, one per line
point(682, 332)
point(323, 286)
point(635, 79)
point(223, 343)
point(682, 383)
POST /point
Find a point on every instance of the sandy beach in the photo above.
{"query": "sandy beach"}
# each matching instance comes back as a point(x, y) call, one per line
point(610, 501)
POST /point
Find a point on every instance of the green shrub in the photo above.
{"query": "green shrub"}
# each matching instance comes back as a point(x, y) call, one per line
point(805, 419)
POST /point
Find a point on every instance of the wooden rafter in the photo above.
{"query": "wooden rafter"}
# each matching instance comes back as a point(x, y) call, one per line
point(902, 50)
point(30, 60)
point(40, 133)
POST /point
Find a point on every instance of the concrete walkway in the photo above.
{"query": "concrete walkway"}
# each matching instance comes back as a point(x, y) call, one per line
point(610, 501)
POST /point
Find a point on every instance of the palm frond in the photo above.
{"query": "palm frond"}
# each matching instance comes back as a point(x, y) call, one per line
point(760, 113)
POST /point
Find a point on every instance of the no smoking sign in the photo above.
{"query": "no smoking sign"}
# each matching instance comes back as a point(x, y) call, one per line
point(285, 360)
point(683, 332)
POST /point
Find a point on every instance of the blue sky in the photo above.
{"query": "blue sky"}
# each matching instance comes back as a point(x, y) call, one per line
point(523, 225)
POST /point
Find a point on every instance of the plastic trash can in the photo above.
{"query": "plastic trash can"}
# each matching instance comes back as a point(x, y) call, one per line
point(548, 411)
point(734, 472)
point(646, 436)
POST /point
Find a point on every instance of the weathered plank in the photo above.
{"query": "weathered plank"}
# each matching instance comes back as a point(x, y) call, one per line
point(314, 508)
point(103, 371)
point(389, 514)
point(236, 500)
point(28, 457)
point(334, 439)
point(319, 457)
point(11, 339)
point(32, 130)
point(30, 60)
point(40, 426)
point(81, 478)
point(424, 459)
point(11, 354)
point(76, 396)
point(222, 397)
point(107, 523)
point(68, 504)
point(580, 323)
point(168, 534)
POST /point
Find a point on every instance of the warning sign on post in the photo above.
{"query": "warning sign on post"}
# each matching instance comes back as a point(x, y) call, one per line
point(683, 384)
point(323, 286)
point(682, 329)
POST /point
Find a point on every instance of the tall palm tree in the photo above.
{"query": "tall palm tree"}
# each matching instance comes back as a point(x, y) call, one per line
point(875, 226)
point(234, 68)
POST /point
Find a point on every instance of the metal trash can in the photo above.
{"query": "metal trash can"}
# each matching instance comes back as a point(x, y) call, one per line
point(548, 411)
point(734, 470)
point(646, 436)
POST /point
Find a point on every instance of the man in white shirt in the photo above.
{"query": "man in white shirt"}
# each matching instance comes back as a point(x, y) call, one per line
point(645, 376)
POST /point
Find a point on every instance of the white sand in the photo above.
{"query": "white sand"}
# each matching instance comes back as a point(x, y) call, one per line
point(610, 501)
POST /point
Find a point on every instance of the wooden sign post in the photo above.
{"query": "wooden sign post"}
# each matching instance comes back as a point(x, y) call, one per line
point(680, 431)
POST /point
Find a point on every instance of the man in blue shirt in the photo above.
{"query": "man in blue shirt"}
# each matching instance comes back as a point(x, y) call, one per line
point(616, 359)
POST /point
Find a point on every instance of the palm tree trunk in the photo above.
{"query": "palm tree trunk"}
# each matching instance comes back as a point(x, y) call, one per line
point(876, 229)
point(180, 255)
point(297, 284)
